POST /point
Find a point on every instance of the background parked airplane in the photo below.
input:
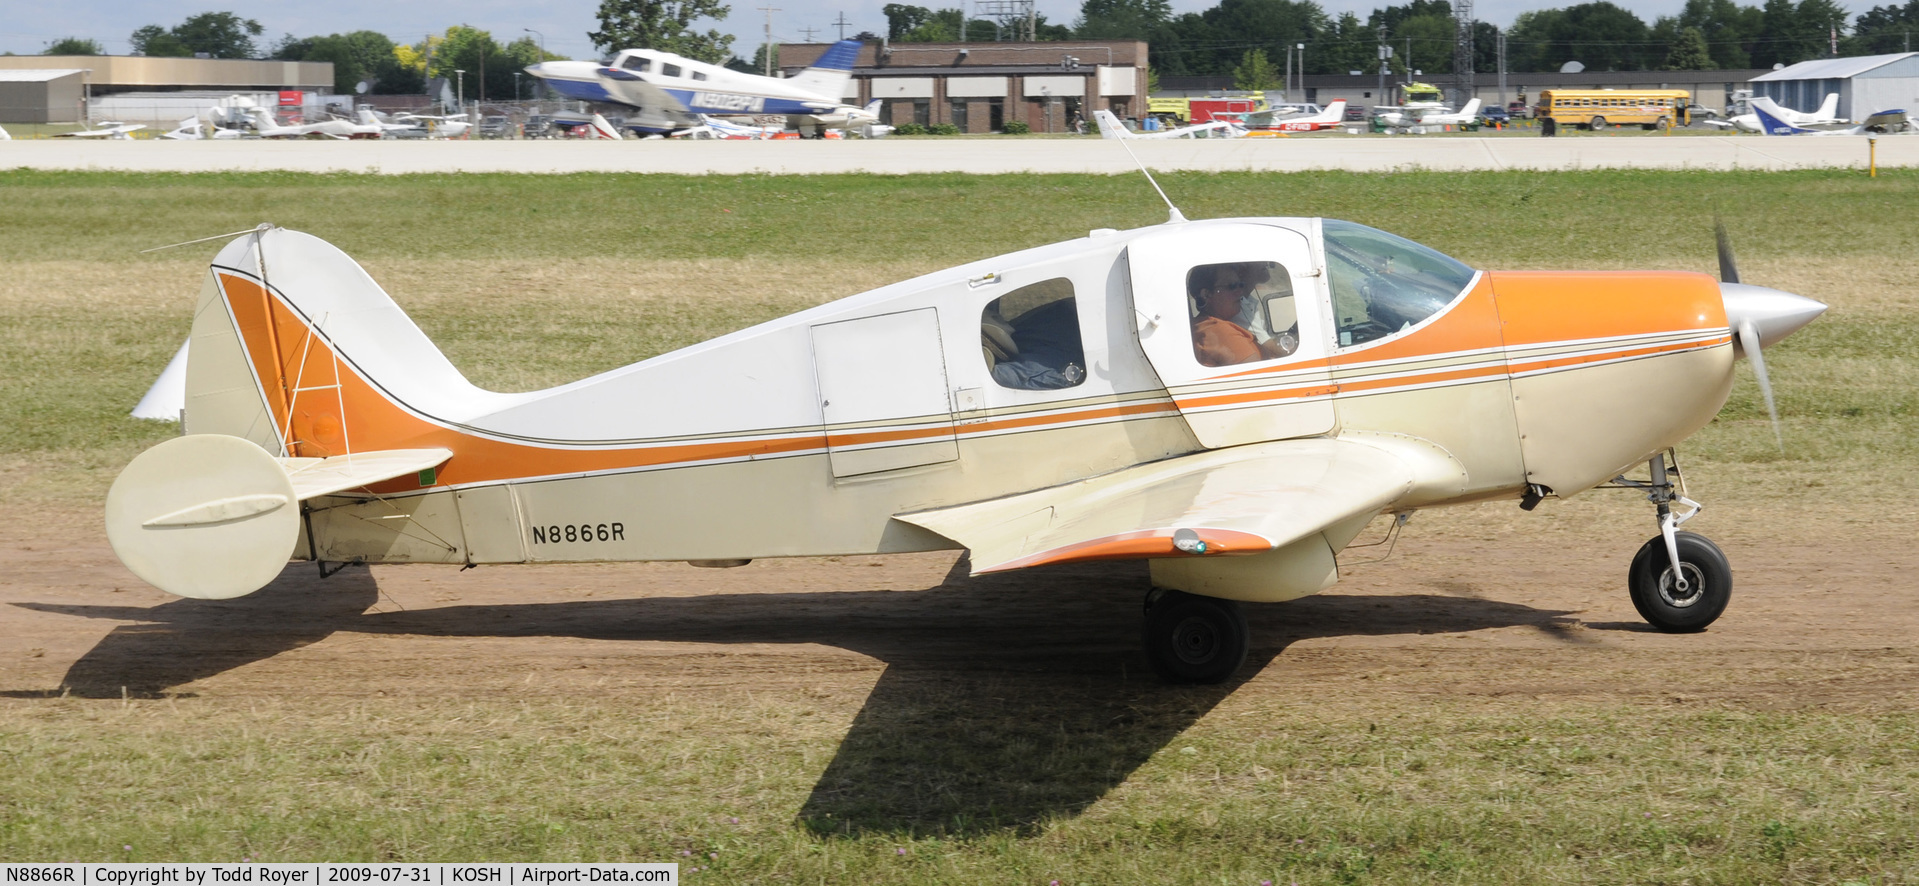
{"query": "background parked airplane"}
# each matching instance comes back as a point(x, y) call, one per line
point(1111, 127)
point(114, 129)
point(1827, 115)
point(1278, 121)
point(659, 92)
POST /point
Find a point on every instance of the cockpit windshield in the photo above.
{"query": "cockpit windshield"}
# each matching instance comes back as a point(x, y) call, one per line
point(1383, 283)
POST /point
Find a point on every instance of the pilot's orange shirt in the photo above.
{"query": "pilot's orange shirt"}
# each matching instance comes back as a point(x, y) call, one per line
point(1219, 342)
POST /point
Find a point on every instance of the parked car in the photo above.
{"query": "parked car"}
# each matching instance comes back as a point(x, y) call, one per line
point(1494, 116)
point(1519, 110)
point(1356, 113)
point(493, 126)
point(537, 126)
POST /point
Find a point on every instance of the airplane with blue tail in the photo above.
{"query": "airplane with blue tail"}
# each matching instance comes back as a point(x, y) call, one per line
point(659, 92)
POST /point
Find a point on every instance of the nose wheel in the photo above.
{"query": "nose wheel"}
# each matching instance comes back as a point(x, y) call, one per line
point(1680, 581)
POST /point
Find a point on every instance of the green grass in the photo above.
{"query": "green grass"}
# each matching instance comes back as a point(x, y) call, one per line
point(532, 280)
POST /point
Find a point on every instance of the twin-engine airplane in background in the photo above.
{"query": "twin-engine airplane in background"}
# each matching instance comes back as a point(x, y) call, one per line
point(1233, 400)
point(660, 92)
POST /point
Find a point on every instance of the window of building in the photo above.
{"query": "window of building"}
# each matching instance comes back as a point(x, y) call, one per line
point(1383, 284)
point(1243, 312)
point(995, 114)
point(957, 112)
point(923, 111)
point(1030, 337)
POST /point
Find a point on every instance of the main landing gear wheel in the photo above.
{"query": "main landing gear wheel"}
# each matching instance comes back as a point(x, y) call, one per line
point(1194, 639)
point(1684, 600)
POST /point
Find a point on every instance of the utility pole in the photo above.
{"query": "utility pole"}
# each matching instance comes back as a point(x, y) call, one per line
point(1385, 52)
point(809, 33)
point(769, 10)
point(1302, 71)
point(1502, 68)
point(842, 23)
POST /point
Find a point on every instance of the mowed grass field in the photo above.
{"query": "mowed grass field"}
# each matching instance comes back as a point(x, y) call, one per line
point(528, 281)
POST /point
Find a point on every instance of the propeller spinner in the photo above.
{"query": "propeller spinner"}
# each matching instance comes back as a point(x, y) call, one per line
point(1760, 317)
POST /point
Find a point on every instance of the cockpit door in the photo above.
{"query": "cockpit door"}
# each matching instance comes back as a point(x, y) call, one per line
point(1261, 373)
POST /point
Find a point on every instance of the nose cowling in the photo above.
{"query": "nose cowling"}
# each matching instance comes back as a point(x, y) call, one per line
point(1773, 313)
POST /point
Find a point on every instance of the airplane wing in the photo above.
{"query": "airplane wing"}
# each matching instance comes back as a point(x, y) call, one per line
point(1241, 500)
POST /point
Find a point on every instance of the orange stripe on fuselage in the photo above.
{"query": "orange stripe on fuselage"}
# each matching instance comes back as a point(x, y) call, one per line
point(1541, 307)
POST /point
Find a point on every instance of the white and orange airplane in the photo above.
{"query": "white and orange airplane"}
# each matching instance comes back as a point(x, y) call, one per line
point(1233, 400)
point(1267, 122)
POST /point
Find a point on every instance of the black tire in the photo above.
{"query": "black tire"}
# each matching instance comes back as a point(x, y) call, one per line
point(1663, 606)
point(1597, 124)
point(1194, 639)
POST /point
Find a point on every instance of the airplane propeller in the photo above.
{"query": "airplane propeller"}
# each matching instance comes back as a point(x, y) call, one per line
point(1759, 316)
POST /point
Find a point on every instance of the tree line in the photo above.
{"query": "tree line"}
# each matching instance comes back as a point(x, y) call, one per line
point(1239, 38)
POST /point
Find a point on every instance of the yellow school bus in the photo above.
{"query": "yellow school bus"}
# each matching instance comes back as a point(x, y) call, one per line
point(1600, 108)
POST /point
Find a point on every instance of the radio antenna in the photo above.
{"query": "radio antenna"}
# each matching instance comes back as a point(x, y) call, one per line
point(1174, 216)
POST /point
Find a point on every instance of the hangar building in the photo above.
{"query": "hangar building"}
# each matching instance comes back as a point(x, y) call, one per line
point(1866, 84)
point(980, 86)
point(68, 98)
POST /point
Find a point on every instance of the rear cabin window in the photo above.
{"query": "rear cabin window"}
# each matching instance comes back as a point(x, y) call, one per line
point(1030, 337)
point(1383, 283)
point(1243, 312)
point(699, 75)
point(669, 70)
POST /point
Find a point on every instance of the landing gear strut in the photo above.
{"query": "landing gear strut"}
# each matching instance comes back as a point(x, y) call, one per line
point(1680, 581)
point(1194, 639)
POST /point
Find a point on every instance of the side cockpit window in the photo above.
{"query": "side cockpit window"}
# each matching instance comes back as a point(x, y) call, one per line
point(1242, 312)
point(1383, 284)
point(1030, 337)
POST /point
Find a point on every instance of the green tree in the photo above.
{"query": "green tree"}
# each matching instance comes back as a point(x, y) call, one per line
point(1123, 19)
point(664, 25)
point(219, 35)
point(1255, 73)
point(902, 19)
point(1884, 29)
point(359, 57)
point(1791, 33)
point(1431, 38)
point(1687, 52)
point(1213, 42)
point(74, 46)
point(1600, 35)
point(157, 41)
point(1729, 29)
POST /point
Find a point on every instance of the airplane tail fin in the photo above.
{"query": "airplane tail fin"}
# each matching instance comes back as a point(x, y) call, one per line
point(828, 76)
point(1471, 109)
point(1336, 111)
point(295, 349)
point(1109, 125)
point(1771, 121)
point(1829, 109)
point(303, 380)
point(603, 129)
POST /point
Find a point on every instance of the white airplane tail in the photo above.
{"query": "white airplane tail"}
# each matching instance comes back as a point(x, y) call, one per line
point(603, 129)
point(1110, 126)
point(1470, 111)
point(1829, 109)
point(304, 379)
point(828, 76)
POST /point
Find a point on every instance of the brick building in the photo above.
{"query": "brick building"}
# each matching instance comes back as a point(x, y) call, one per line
point(980, 86)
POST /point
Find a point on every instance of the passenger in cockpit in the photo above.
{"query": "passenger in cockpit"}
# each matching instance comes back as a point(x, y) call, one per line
point(1217, 292)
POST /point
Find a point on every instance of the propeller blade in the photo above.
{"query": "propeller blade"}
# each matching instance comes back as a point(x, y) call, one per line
point(1749, 342)
point(1728, 269)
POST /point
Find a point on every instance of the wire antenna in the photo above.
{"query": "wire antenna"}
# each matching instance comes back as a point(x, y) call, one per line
point(1174, 216)
point(253, 230)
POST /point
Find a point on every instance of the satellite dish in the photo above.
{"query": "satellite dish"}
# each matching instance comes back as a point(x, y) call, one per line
point(1572, 68)
point(1778, 66)
point(361, 87)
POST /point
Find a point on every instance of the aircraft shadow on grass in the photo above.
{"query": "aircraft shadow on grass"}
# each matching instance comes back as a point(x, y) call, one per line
point(999, 709)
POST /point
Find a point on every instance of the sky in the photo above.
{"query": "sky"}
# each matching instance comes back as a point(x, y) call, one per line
point(27, 26)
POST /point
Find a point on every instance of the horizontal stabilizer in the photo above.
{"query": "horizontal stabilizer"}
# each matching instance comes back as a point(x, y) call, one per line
point(323, 476)
point(1242, 500)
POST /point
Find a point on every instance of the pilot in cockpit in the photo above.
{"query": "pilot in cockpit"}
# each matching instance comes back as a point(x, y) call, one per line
point(1233, 321)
